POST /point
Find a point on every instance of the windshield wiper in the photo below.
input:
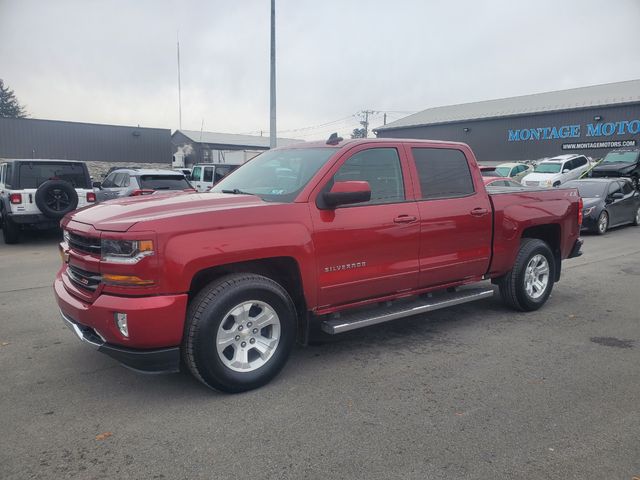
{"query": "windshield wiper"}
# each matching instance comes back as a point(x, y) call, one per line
point(236, 191)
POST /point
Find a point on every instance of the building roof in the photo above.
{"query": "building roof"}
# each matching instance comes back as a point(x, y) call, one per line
point(234, 139)
point(572, 99)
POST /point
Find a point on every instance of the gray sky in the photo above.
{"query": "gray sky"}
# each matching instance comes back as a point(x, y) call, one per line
point(114, 61)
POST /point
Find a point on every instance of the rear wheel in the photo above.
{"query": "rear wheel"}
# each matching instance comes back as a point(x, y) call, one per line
point(240, 331)
point(603, 223)
point(10, 231)
point(529, 283)
point(636, 219)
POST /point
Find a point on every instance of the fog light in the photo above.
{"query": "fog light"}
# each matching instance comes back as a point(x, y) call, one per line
point(121, 322)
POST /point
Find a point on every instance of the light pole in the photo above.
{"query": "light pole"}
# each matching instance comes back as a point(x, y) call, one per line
point(272, 123)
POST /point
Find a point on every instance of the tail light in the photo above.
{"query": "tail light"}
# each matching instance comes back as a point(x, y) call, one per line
point(15, 198)
point(91, 197)
point(580, 207)
point(139, 192)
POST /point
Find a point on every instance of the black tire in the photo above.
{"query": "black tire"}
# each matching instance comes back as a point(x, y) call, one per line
point(636, 219)
point(56, 198)
point(10, 231)
point(602, 224)
point(210, 308)
point(512, 285)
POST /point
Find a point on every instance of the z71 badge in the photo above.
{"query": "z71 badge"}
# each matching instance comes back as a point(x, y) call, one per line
point(346, 266)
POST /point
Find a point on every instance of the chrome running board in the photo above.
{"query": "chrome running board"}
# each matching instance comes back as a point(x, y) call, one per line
point(343, 322)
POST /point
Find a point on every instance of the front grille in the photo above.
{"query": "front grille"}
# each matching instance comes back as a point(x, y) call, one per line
point(84, 244)
point(84, 279)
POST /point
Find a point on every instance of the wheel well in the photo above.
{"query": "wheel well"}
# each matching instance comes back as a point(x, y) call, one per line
point(283, 270)
point(550, 234)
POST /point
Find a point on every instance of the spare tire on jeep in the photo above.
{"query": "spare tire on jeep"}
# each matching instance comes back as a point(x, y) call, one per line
point(56, 198)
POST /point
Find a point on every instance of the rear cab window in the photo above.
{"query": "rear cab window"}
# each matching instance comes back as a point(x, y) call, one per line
point(442, 173)
point(164, 182)
point(34, 174)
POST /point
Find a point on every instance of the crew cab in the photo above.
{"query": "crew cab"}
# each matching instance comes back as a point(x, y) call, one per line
point(317, 237)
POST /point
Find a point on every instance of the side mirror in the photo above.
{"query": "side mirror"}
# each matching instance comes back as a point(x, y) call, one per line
point(566, 170)
point(617, 196)
point(97, 185)
point(344, 193)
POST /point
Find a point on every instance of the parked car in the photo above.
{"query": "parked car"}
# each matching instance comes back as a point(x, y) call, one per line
point(500, 182)
point(36, 194)
point(334, 236)
point(624, 162)
point(206, 175)
point(513, 170)
point(139, 181)
point(608, 202)
point(556, 171)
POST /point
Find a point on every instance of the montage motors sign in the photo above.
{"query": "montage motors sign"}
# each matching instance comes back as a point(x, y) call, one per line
point(593, 133)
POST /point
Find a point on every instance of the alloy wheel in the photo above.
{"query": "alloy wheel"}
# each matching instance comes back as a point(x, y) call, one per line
point(536, 276)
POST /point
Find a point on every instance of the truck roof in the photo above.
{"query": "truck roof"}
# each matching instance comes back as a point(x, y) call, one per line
point(357, 141)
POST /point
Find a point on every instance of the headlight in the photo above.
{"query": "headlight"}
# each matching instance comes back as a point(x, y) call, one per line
point(587, 211)
point(125, 251)
point(65, 236)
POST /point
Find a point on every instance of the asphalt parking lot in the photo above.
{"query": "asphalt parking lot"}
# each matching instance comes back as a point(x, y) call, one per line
point(476, 391)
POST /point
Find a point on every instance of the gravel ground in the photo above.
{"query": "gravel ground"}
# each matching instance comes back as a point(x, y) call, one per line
point(474, 392)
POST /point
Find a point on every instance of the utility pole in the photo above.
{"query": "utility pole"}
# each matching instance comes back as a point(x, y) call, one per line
point(179, 88)
point(385, 118)
point(365, 123)
point(272, 120)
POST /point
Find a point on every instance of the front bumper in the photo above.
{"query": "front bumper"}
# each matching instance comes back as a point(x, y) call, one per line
point(162, 360)
point(575, 251)
point(155, 325)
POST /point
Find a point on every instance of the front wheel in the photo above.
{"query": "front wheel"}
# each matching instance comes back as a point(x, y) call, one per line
point(240, 331)
point(529, 283)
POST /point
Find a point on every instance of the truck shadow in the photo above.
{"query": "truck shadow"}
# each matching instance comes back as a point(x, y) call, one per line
point(36, 237)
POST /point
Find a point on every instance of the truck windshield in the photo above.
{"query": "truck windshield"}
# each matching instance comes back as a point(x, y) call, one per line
point(34, 174)
point(548, 168)
point(276, 175)
point(620, 157)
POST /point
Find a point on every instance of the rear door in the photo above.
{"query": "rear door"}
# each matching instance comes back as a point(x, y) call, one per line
point(628, 203)
point(455, 216)
point(369, 249)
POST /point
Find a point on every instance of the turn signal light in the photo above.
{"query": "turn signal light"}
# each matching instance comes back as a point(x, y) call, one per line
point(15, 198)
point(125, 280)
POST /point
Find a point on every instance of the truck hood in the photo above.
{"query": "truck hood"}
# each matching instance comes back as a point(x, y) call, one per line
point(541, 177)
point(618, 167)
point(122, 214)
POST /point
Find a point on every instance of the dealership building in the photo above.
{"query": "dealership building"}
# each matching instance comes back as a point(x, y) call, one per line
point(588, 120)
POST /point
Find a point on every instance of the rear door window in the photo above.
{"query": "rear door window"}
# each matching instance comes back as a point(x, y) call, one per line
point(221, 172)
point(627, 188)
point(164, 182)
point(443, 173)
point(34, 174)
point(208, 174)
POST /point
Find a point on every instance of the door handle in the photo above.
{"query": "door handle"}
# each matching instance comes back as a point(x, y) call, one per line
point(405, 219)
point(479, 212)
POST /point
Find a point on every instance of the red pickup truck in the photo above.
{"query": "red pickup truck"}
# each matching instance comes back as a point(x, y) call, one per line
point(315, 237)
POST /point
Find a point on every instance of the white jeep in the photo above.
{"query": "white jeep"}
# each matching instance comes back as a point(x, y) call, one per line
point(36, 193)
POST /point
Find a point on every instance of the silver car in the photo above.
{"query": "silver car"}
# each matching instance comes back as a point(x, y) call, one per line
point(132, 182)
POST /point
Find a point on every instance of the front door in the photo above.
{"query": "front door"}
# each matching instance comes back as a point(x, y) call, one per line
point(370, 249)
point(455, 217)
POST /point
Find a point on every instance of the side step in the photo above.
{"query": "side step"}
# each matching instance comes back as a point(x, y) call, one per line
point(371, 316)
